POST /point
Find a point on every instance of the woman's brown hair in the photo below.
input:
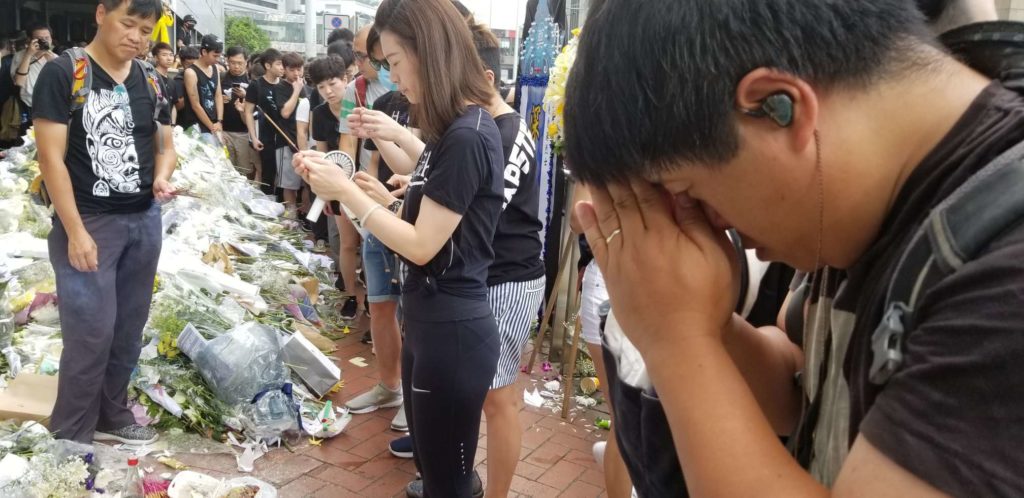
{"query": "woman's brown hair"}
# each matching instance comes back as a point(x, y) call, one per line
point(450, 72)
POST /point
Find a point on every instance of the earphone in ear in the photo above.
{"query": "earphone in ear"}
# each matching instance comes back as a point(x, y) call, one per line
point(778, 107)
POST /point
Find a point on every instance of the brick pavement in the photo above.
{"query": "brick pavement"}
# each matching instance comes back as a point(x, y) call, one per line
point(555, 460)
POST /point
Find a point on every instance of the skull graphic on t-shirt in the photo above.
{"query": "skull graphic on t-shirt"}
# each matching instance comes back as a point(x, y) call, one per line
point(107, 119)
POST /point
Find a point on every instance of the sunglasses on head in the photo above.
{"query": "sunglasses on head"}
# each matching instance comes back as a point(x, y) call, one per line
point(377, 65)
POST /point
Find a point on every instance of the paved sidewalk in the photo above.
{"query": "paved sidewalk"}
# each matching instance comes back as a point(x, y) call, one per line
point(555, 461)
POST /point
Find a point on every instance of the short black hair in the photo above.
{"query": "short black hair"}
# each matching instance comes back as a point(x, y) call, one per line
point(343, 50)
point(292, 60)
point(341, 34)
point(36, 27)
point(672, 99)
point(270, 56)
point(327, 67)
point(933, 9)
point(159, 47)
point(233, 51)
point(488, 48)
point(211, 43)
point(146, 9)
point(191, 53)
point(463, 11)
point(372, 39)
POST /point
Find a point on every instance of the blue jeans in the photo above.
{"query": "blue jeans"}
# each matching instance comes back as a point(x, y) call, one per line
point(380, 269)
point(102, 314)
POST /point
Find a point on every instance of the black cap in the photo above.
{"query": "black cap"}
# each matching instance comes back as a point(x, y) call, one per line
point(211, 42)
point(190, 18)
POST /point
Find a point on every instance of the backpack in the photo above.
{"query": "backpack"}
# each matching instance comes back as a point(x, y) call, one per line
point(82, 84)
point(956, 231)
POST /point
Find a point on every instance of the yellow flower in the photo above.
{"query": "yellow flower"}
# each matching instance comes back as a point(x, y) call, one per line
point(552, 131)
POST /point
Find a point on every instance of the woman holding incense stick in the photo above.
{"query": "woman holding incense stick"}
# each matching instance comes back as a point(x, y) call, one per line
point(443, 234)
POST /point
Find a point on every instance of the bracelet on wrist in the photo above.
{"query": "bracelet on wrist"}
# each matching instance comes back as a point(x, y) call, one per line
point(369, 212)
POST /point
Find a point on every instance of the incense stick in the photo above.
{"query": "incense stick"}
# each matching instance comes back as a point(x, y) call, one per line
point(279, 130)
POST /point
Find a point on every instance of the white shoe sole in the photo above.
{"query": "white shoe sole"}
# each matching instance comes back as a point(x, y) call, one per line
point(400, 454)
point(373, 408)
point(103, 436)
point(400, 428)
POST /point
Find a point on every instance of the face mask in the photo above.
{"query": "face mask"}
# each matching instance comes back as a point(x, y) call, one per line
point(384, 77)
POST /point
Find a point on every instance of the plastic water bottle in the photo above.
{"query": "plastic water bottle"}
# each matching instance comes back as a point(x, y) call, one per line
point(133, 481)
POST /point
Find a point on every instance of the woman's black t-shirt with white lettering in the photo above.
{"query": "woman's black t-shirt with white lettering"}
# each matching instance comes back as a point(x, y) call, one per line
point(517, 244)
point(111, 153)
point(461, 172)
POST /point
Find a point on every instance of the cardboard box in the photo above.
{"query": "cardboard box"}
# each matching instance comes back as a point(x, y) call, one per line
point(315, 369)
point(29, 397)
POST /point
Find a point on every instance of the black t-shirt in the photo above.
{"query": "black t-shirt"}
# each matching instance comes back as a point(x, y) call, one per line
point(206, 89)
point(290, 125)
point(517, 245)
point(953, 414)
point(266, 95)
point(393, 104)
point(325, 126)
point(233, 120)
point(111, 152)
point(462, 172)
point(314, 97)
point(186, 117)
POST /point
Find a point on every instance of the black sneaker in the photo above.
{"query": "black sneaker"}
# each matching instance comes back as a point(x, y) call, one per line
point(304, 224)
point(366, 307)
point(135, 435)
point(350, 309)
point(401, 447)
point(367, 338)
point(415, 488)
point(340, 284)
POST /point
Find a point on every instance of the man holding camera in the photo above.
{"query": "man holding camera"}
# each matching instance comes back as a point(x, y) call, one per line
point(28, 63)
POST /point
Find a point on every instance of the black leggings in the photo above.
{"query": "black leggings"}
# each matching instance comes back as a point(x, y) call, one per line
point(447, 368)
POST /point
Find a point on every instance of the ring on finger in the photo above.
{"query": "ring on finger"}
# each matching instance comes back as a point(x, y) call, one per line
point(608, 239)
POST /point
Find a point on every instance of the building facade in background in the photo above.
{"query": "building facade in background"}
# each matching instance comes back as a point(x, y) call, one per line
point(284, 21)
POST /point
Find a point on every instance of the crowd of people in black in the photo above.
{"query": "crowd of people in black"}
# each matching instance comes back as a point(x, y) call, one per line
point(804, 266)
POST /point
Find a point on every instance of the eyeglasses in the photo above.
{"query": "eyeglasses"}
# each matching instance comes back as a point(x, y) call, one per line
point(361, 56)
point(377, 65)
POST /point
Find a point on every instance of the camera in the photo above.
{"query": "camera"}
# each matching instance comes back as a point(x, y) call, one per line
point(43, 45)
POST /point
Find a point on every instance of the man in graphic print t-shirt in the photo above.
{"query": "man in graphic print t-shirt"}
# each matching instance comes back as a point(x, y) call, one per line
point(104, 161)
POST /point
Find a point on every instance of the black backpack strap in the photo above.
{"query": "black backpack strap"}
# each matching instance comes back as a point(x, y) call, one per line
point(956, 232)
point(156, 95)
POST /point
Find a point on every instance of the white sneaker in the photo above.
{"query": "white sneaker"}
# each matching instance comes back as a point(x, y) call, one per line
point(399, 423)
point(375, 399)
point(598, 451)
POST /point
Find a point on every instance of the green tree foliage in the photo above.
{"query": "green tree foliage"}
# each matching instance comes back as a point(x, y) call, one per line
point(243, 32)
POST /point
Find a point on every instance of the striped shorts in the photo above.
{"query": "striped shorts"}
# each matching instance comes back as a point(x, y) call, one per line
point(515, 306)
